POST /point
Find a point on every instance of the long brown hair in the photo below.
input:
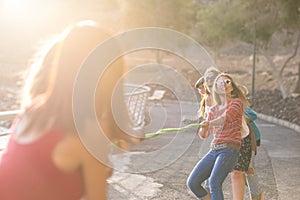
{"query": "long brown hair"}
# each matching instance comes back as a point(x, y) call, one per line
point(50, 89)
point(235, 93)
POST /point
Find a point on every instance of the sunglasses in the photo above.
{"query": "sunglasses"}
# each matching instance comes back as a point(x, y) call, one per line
point(226, 81)
point(209, 78)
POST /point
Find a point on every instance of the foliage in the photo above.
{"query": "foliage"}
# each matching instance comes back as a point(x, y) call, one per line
point(230, 20)
point(237, 19)
point(217, 22)
point(174, 14)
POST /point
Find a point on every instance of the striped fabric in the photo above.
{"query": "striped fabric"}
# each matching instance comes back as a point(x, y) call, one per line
point(230, 131)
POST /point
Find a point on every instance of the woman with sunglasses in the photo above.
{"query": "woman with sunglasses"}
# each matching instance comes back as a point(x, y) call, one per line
point(224, 121)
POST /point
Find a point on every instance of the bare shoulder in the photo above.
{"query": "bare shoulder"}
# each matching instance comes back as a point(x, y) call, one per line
point(71, 150)
point(67, 153)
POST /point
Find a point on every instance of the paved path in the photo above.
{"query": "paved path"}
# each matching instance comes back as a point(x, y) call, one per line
point(158, 168)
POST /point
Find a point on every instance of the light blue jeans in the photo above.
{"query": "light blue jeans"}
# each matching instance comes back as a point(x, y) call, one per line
point(215, 165)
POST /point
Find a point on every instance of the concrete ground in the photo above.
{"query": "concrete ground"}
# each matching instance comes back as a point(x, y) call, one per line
point(158, 168)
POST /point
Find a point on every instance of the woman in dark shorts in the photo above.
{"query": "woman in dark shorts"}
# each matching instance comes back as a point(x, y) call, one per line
point(245, 155)
point(242, 165)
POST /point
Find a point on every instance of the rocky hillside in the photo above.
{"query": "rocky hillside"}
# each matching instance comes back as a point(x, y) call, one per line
point(268, 99)
point(270, 102)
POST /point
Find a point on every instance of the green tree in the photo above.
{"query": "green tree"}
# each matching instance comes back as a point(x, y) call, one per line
point(233, 20)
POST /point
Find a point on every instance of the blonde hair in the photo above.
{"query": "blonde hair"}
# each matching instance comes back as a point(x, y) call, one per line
point(199, 82)
point(244, 89)
point(213, 70)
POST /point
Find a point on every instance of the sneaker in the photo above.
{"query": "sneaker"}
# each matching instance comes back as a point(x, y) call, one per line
point(261, 196)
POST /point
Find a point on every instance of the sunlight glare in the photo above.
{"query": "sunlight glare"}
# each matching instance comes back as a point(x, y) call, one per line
point(11, 8)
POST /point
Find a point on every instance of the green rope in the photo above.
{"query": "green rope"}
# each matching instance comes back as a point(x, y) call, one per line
point(170, 130)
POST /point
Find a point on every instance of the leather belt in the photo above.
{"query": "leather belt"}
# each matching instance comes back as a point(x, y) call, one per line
point(225, 145)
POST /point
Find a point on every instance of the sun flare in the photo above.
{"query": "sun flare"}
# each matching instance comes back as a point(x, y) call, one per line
point(11, 8)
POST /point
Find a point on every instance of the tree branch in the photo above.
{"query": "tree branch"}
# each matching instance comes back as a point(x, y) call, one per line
point(292, 56)
point(275, 74)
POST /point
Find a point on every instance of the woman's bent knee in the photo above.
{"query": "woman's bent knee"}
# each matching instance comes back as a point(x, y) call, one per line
point(237, 174)
point(215, 184)
point(191, 183)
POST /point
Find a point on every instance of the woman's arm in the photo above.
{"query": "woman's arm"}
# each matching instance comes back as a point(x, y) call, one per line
point(70, 155)
point(217, 122)
point(94, 175)
point(234, 110)
point(250, 113)
point(203, 131)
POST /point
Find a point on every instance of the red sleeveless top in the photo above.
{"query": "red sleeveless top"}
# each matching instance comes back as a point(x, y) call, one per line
point(27, 172)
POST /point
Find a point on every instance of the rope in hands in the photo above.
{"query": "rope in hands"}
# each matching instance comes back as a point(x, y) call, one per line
point(170, 130)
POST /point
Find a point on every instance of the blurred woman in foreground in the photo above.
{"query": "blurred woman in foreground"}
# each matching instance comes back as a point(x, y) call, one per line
point(45, 157)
